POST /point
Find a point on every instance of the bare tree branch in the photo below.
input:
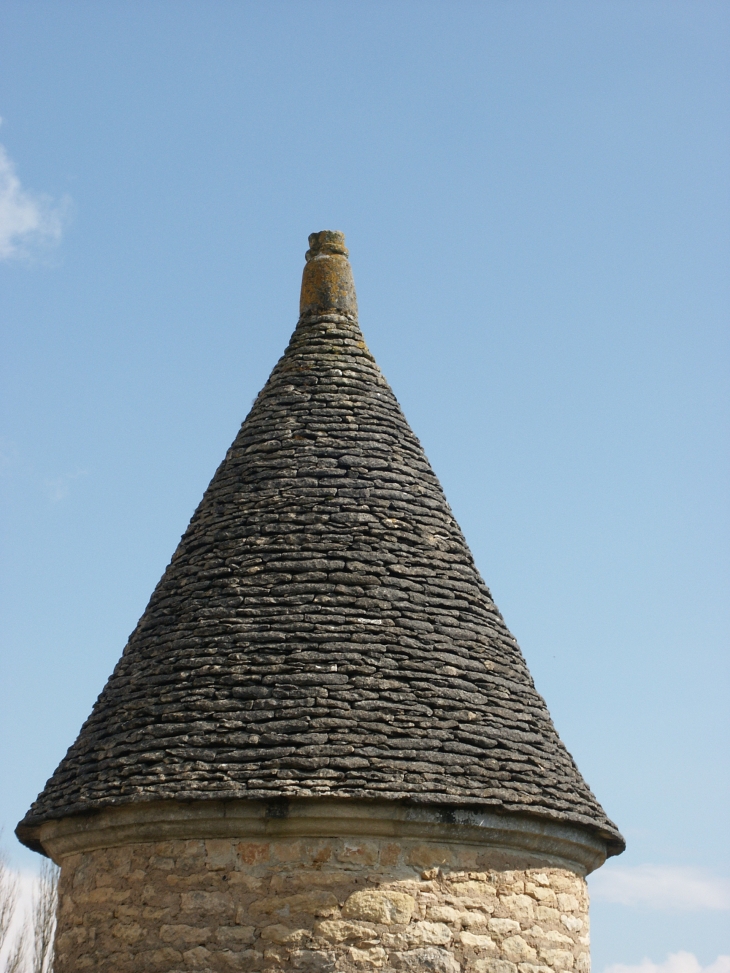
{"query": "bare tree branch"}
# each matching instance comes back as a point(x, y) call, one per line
point(16, 958)
point(45, 903)
point(30, 948)
point(15, 954)
point(8, 898)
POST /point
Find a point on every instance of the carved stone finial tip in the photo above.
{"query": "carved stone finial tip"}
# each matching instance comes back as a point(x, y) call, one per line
point(326, 241)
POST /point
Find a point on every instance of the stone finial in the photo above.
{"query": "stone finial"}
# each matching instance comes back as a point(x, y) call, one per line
point(327, 282)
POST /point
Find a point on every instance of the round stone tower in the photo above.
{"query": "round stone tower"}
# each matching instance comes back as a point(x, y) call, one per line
point(321, 749)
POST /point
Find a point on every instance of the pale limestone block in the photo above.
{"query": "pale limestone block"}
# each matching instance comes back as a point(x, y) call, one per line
point(422, 933)
point(374, 957)
point(184, 934)
point(235, 934)
point(163, 849)
point(477, 890)
point(410, 885)
point(312, 960)
point(429, 959)
point(519, 907)
point(249, 882)
point(494, 966)
point(470, 905)
point(562, 882)
point(546, 914)
point(510, 883)
point(154, 895)
point(558, 959)
point(108, 894)
point(317, 903)
point(385, 907)
point(504, 927)
point(573, 923)
point(127, 932)
point(478, 941)
point(540, 878)
point(567, 902)
point(558, 937)
point(532, 968)
point(158, 916)
point(192, 850)
point(517, 950)
point(66, 941)
point(286, 851)
point(66, 904)
point(583, 963)
point(165, 956)
point(215, 903)
point(546, 897)
point(253, 852)
point(287, 881)
point(338, 930)
point(390, 854)
point(278, 933)
point(243, 960)
point(220, 854)
point(358, 853)
point(473, 920)
point(429, 856)
point(444, 913)
point(198, 958)
point(468, 857)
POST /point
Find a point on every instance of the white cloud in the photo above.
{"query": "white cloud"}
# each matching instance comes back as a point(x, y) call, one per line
point(661, 887)
point(674, 963)
point(28, 221)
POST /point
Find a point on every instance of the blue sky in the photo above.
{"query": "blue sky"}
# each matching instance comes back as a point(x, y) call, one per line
point(536, 201)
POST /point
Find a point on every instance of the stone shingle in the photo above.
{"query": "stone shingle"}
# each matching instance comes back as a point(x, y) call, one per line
point(322, 628)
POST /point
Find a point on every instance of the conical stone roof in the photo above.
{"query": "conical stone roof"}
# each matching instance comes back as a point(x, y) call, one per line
point(322, 629)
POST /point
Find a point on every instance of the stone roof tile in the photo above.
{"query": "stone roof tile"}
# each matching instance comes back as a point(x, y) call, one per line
point(322, 628)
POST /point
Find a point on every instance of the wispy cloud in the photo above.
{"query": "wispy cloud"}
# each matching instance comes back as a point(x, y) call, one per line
point(674, 963)
point(58, 487)
point(28, 221)
point(661, 887)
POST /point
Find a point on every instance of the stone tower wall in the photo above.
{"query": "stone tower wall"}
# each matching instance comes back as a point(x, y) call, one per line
point(315, 904)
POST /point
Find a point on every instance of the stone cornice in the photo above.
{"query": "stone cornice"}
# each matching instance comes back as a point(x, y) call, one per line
point(512, 841)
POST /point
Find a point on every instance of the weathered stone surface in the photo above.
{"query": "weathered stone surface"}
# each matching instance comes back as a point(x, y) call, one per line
point(265, 912)
point(494, 966)
point(428, 959)
point(482, 942)
point(379, 906)
point(322, 629)
point(515, 948)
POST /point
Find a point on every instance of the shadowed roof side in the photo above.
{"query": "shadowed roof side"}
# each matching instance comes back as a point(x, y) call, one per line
point(322, 629)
